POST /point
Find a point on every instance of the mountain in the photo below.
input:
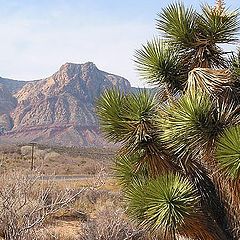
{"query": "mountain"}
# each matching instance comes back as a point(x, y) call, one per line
point(58, 109)
point(12, 85)
point(8, 103)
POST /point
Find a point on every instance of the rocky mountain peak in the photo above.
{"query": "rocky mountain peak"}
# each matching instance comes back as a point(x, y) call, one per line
point(76, 66)
point(61, 108)
point(73, 69)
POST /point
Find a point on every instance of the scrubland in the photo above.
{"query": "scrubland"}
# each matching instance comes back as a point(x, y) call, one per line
point(56, 160)
point(86, 209)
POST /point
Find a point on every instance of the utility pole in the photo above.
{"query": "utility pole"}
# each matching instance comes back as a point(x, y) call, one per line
point(33, 144)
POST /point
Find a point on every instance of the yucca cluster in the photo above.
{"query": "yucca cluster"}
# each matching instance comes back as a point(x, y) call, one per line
point(179, 157)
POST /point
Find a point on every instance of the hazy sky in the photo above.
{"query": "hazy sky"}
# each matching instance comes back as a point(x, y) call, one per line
point(38, 36)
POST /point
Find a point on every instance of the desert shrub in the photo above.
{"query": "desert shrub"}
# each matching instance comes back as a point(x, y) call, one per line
point(39, 153)
point(54, 235)
point(26, 202)
point(26, 150)
point(92, 200)
point(51, 156)
point(108, 224)
point(92, 168)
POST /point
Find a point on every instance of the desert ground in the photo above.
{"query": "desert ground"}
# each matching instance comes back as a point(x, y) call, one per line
point(56, 160)
point(98, 211)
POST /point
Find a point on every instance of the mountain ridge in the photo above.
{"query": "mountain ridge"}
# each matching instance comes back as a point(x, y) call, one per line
point(59, 109)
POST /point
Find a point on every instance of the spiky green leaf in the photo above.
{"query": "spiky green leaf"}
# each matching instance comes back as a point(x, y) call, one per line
point(218, 25)
point(187, 124)
point(228, 152)
point(159, 63)
point(128, 170)
point(178, 24)
point(128, 118)
point(163, 204)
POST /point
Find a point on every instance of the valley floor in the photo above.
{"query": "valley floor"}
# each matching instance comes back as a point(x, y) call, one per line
point(56, 160)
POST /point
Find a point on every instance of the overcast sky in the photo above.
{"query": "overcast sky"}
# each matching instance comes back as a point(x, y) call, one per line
point(38, 36)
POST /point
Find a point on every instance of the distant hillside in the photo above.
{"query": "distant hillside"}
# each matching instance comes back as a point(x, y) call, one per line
point(58, 109)
point(12, 85)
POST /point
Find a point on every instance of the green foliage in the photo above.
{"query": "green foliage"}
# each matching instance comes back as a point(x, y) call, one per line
point(128, 119)
point(178, 24)
point(197, 34)
point(163, 204)
point(191, 124)
point(159, 63)
point(235, 64)
point(187, 124)
point(133, 123)
point(218, 26)
point(171, 146)
point(228, 152)
point(109, 108)
point(128, 170)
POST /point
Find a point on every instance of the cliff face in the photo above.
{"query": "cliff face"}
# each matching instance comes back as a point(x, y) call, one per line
point(60, 109)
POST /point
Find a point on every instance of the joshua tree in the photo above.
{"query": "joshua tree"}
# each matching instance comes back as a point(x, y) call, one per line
point(179, 157)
